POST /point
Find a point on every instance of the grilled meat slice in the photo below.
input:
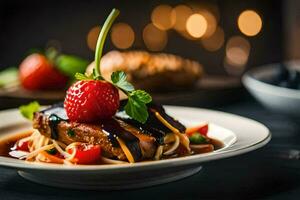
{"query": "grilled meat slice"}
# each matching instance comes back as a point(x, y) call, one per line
point(53, 123)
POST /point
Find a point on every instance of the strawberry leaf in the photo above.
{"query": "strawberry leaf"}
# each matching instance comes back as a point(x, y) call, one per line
point(83, 77)
point(119, 80)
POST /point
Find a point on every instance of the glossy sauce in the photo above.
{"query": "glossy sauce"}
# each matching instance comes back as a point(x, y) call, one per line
point(54, 120)
point(9, 142)
point(153, 126)
point(146, 129)
point(113, 130)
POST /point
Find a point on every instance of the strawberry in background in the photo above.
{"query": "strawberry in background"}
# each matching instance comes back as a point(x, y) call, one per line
point(50, 71)
point(37, 73)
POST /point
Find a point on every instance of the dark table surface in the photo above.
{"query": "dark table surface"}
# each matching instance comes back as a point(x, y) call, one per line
point(272, 172)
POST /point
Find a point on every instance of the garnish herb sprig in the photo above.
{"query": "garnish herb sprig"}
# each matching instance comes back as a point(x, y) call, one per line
point(137, 99)
point(28, 110)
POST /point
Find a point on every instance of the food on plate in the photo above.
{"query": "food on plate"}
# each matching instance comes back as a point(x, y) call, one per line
point(153, 72)
point(116, 140)
point(114, 135)
point(92, 126)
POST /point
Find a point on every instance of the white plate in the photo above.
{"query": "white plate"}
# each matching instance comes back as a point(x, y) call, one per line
point(239, 134)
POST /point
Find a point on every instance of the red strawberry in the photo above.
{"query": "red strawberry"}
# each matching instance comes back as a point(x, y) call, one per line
point(37, 73)
point(91, 100)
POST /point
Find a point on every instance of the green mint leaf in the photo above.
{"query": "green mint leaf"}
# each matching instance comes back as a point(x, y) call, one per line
point(142, 96)
point(119, 80)
point(70, 64)
point(136, 110)
point(118, 76)
point(28, 110)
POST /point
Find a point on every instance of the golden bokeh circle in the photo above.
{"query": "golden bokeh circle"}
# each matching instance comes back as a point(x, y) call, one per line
point(122, 35)
point(196, 25)
point(162, 17)
point(215, 41)
point(249, 23)
point(154, 38)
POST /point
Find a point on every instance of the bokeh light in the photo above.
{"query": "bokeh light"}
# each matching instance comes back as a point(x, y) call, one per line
point(237, 50)
point(162, 17)
point(182, 13)
point(196, 25)
point(207, 6)
point(237, 54)
point(249, 23)
point(215, 41)
point(154, 38)
point(211, 23)
point(92, 37)
point(122, 35)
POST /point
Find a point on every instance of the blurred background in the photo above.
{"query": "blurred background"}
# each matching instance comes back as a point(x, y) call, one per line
point(226, 37)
